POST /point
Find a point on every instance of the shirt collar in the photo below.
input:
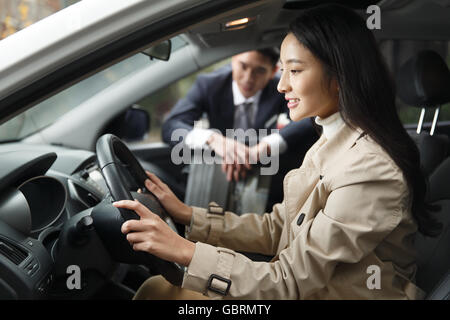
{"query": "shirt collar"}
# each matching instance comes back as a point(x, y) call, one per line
point(239, 99)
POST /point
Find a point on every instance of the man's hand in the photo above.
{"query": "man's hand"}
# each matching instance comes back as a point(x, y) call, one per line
point(235, 171)
point(230, 150)
point(261, 149)
point(235, 155)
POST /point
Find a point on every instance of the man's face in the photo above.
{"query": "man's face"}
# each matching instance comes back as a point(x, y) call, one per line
point(251, 71)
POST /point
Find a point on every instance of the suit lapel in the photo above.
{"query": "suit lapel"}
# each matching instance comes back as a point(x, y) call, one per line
point(226, 107)
point(267, 108)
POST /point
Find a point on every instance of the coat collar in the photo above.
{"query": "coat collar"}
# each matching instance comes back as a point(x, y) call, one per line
point(323, 154)
point(327, 152)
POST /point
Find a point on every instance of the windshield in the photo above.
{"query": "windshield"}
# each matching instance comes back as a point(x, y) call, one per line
point(51, 109)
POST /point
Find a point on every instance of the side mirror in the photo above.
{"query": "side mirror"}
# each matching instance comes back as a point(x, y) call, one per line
point(131, 125)
point(161, 51)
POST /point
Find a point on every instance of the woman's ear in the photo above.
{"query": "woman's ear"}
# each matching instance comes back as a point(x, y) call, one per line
point(335, 87)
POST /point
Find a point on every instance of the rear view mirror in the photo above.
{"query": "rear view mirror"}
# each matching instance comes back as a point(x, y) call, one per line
point(131, 125)
point(161, 51)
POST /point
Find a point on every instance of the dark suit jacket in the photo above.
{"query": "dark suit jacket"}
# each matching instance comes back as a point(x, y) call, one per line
point(212, 94)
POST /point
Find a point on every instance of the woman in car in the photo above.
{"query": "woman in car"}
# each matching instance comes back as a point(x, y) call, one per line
point(346, 226)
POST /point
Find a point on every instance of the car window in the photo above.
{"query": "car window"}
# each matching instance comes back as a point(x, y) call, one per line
point(51, 109)
point(19, 14)
point(396, 52)
point(159, 104)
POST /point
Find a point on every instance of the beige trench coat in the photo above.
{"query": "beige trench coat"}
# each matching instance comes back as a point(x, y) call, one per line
point(343, 231)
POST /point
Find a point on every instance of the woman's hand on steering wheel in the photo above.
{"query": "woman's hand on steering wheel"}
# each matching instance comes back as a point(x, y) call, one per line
point(151, 234)
point(179, 211)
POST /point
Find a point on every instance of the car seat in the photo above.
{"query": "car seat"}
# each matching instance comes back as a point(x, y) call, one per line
point(424, 81)
point(433, 254)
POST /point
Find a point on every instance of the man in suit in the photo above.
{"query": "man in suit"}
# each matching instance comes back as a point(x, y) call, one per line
point(249, 84)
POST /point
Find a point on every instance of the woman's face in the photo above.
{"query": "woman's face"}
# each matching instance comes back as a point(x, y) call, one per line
point(303, 82)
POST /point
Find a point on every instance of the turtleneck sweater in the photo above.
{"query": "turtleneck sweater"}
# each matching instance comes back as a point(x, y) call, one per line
point(330, 124)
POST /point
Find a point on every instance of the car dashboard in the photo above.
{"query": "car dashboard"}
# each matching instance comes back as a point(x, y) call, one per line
point(41, 187)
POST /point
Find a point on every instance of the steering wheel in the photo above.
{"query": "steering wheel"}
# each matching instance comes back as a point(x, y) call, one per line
point(122, 173)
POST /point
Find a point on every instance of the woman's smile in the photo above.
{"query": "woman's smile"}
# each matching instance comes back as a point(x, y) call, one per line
point(292, 103)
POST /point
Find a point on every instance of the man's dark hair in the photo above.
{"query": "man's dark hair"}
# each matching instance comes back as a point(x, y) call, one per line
point(273, 53)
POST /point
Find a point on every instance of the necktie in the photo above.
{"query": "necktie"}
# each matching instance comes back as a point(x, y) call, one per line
point(242, 119)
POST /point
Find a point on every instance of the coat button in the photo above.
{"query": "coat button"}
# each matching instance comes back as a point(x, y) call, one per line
point(300, 219)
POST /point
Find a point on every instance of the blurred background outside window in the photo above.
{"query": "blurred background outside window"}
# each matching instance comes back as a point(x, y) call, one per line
point(18, 14)
point(159, 104)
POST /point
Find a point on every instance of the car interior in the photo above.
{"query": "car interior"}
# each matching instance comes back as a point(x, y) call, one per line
point(63, 159)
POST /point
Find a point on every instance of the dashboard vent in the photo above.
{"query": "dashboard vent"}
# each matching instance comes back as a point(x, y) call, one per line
point(12, 252)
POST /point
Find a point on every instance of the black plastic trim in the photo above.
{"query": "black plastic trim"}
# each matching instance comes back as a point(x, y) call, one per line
point(354, 4)
point(19, 166)
point(217, 290)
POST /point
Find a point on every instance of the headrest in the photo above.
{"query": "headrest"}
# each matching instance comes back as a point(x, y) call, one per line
point(424, 80)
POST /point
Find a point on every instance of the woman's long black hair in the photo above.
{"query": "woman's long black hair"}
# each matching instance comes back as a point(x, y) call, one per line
point(339, 38)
